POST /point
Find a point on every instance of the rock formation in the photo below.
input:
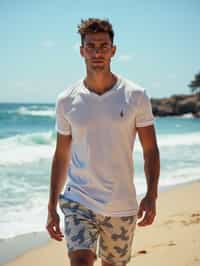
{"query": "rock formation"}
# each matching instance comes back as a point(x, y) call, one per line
point(177, 105)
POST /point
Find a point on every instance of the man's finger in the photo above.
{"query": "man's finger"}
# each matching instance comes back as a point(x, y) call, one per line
point(58, 231)
point(55, 235)
point(140, 212)
point(145, 219)
point(54, 231)
point(148, 219)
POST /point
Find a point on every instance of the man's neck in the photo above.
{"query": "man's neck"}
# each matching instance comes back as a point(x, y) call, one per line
point(100, 82)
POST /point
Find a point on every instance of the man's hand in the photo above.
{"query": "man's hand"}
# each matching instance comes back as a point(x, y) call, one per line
point(147, 211)
point(53, 226)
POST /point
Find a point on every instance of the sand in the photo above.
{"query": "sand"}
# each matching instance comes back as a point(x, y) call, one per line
point(173, 239)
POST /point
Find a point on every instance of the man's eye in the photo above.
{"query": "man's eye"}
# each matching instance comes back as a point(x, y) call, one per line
point(90, 46)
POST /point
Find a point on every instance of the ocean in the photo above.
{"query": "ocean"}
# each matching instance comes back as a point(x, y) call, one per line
point(27, 143)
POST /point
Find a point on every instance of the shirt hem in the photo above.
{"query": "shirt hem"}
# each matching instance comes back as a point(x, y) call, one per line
point(63, 132)
point(145, 124)
point(99, 210)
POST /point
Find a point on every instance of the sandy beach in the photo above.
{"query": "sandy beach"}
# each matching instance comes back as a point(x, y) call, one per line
point(173, 239)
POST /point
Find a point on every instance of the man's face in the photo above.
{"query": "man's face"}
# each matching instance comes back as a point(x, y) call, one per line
point(97, 51)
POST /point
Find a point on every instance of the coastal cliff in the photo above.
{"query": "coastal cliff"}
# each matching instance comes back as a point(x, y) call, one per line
point(177, 105)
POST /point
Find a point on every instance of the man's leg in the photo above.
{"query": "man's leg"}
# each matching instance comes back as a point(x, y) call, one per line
point(81, 233)
point(116, 237)
point(82, 258)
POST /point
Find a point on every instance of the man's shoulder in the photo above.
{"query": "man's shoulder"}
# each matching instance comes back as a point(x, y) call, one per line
point(70, 92)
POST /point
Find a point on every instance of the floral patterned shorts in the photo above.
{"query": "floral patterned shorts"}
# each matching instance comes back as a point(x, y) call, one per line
point(85, 229)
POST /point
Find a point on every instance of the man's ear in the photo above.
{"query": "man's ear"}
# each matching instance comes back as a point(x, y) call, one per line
point(114, 48)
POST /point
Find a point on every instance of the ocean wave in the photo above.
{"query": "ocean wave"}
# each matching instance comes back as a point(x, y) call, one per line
point(188, 115)
point(26, 148)
point(187, 139)
point(31, 112)
point(30, 147)
point(15, 221)
point(16, 217)
point(174, 140)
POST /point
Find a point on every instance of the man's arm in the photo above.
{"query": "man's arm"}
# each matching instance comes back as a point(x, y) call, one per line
point(147, 206)
point(58, 178)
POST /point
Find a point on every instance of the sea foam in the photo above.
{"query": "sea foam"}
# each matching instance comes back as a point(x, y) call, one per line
point(27, 111)
point(26, 148)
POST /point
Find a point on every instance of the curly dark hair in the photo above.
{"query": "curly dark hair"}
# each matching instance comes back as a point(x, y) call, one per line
point(92, 25)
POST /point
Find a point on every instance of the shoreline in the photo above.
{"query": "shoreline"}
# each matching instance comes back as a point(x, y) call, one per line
point(22, 246)
point(14, 247)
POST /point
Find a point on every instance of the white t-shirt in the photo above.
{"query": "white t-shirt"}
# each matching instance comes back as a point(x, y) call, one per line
point(103, 129)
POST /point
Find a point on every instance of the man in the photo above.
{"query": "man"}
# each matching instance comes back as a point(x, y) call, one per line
point(97, 120)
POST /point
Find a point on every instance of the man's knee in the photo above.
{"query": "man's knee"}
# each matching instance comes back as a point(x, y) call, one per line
point(82, 258)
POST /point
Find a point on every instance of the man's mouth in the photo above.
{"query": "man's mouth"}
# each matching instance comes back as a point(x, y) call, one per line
point(97, 60)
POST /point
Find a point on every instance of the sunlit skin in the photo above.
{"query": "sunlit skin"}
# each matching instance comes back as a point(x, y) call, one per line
point(97, 51)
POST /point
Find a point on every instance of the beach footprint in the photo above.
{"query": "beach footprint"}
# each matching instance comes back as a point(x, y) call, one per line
point(185, 219)
point(150, 249)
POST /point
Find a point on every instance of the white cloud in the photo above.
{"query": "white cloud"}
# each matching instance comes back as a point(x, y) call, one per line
point(124, 58)
point(48, 44)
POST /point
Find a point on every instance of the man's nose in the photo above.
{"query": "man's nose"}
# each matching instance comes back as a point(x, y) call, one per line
point(97, 52)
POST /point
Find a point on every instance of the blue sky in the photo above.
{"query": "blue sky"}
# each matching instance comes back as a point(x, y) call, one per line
point(157, 45)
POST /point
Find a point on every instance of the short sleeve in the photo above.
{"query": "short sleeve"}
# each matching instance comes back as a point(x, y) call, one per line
point(62, 125)
point(144, 115)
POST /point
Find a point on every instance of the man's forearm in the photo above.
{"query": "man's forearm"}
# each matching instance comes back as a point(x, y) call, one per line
point(152, 172)
point(58, 179)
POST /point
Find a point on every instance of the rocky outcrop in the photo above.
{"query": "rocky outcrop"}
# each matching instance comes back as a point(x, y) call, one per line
point(177, 105)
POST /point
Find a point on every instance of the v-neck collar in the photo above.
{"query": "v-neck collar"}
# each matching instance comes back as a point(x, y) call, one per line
point(106, 93)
